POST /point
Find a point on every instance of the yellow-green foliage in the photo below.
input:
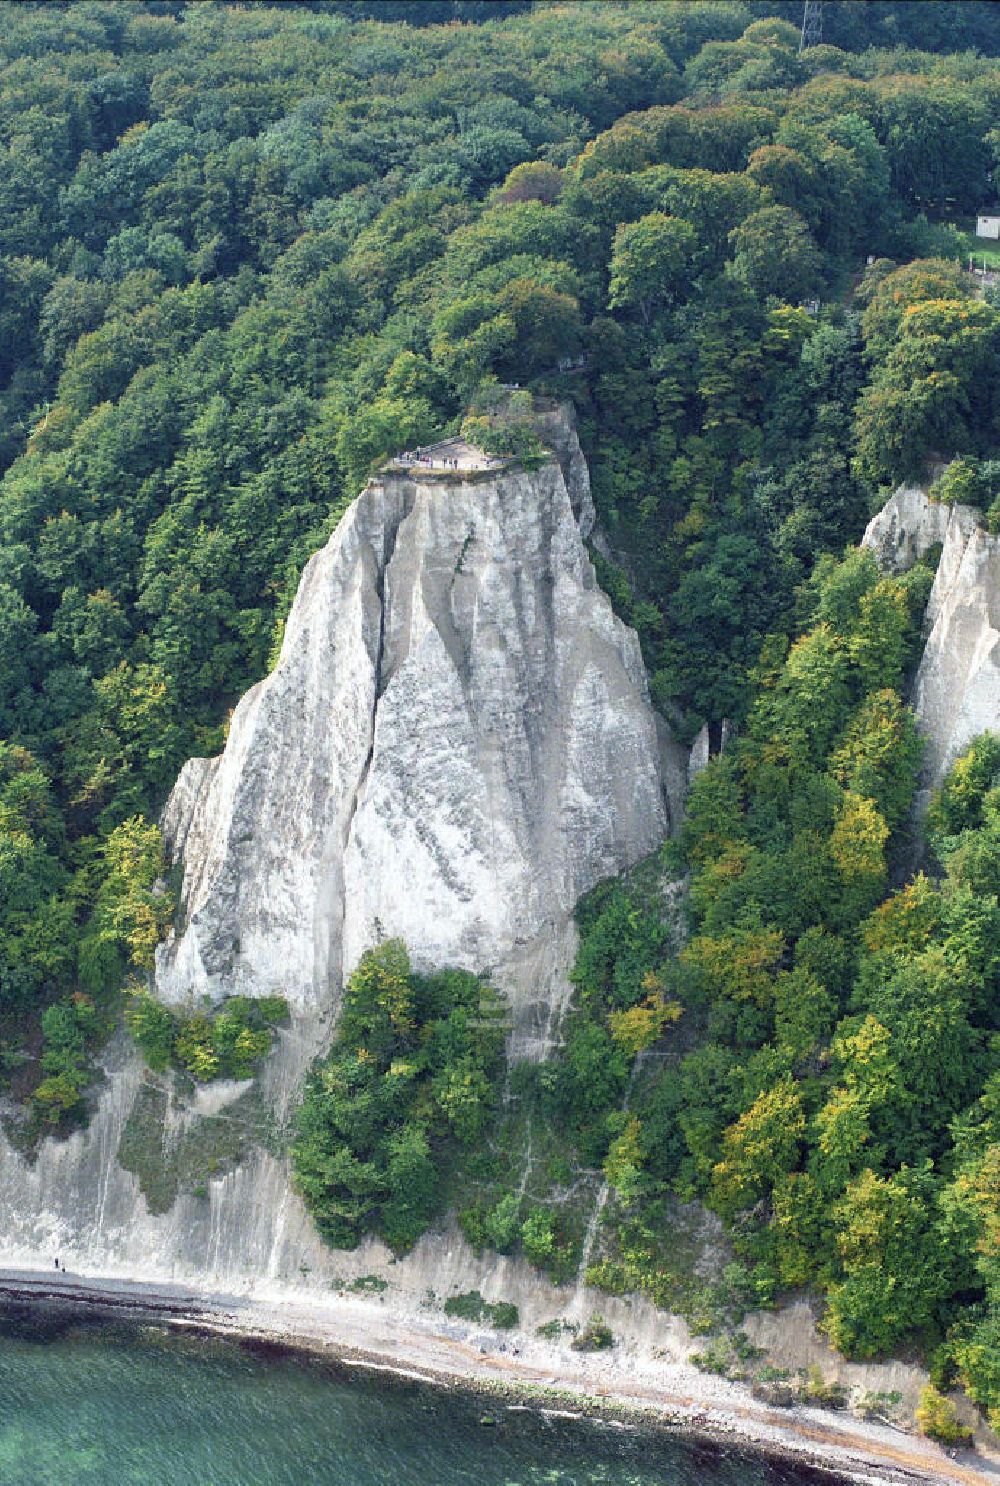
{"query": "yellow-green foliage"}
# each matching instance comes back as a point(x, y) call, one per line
point(229, 1042)
point(640, 1026)
point(840, 1043)
point(739, 965)
point(623, 1163)
point(938, 1419)
point(760, 1148)
point(906, 921)
point(858, 840)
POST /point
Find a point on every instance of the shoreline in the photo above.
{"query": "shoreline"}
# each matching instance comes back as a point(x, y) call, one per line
point(362, 1334)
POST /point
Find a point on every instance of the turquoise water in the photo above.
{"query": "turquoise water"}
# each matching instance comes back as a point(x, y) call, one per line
point(104, 1405)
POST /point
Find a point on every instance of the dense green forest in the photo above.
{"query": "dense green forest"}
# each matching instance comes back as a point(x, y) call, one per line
point(246, 252)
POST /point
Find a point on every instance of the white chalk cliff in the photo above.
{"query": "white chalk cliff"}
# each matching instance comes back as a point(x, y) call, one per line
point(956, 692)
point(455, 744)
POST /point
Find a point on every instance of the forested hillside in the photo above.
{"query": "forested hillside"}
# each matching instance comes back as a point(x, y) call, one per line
point(247, 251)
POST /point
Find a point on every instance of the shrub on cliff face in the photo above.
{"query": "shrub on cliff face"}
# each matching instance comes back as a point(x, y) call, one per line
point(968, 482)
point(596, 1336)
point(938, 1419)
point(976, 1354)
point(502, 423)
point(229, 1043)
point(412, 1078)
point(154, 1028)
point(66, 1029)
point(471, 1306)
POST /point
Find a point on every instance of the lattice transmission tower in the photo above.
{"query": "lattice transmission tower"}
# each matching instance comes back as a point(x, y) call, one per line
point(812, 24)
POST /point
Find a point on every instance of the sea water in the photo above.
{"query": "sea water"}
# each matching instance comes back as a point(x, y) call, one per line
point(84, 1403)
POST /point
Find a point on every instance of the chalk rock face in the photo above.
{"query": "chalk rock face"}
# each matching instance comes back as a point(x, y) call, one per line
point(908, 526)
point(956, 693)
point(457, 742)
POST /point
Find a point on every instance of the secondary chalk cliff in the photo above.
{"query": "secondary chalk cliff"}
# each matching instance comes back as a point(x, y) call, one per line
point(956, 692)
point(456, 743)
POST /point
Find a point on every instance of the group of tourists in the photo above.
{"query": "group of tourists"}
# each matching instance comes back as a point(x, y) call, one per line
point(410, 456)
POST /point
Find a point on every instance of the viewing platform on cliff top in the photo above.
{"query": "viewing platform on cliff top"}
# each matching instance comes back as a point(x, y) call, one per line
point(449, 457)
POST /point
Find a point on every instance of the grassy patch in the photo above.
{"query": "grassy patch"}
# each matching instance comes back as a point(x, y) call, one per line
point(731, 1356)
point(554, 1330)
point(980, 248)
point(663, 1252)
point(522, 1192)
point(368, 1284)
point(715, 1358)
point(596, 1336)
point(881, 1405)
point(141, 1149)
point(822, 1392)
point(471, 1306)
point(206, 1148)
